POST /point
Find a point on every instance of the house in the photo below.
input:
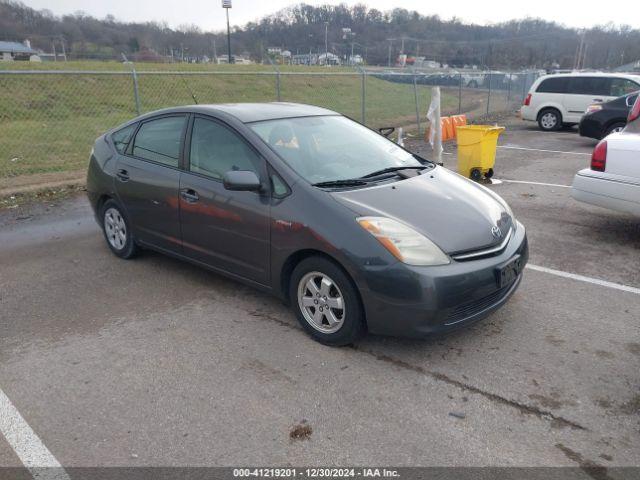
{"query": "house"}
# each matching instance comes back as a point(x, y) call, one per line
point(17, 51)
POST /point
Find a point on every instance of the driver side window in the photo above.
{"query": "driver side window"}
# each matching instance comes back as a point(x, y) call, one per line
point(215, 150)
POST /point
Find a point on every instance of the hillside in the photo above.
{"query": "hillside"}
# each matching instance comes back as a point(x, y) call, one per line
point(301, 28)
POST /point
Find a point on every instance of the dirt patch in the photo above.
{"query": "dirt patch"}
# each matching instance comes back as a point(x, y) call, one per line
point(633, 348)
point(546, 402)
point(631, 407)
point(301, 431)
point(604, 354)
point(41, 181)
point(555, 341)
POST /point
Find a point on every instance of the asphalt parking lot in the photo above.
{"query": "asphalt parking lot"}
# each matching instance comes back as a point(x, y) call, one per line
point(156, 362)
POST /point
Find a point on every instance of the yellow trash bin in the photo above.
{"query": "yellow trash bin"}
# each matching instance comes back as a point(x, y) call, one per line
point(477, 150)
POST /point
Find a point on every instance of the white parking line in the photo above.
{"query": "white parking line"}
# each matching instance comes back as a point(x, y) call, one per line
point(533, 183)
point(26, 444)
point(515, 147)
point(582, 278)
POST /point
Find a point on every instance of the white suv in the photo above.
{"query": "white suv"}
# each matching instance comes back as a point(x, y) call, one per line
point(557, 100)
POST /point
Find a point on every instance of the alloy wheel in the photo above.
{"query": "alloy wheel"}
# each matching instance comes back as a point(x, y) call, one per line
point(321, 302)
point(549, 120)
point(115, 228)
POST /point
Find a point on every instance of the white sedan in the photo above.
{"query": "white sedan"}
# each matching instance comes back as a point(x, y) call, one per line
point(613, 181)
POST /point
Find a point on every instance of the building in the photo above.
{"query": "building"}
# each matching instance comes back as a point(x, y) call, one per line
point(328, 59)
point(633, 67)
point(17, 51)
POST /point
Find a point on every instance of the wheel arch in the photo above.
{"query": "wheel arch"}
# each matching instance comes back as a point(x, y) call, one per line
point(298, 256)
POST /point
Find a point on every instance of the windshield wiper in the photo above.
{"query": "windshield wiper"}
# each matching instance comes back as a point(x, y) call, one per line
point(349, 182)
point(394, 169)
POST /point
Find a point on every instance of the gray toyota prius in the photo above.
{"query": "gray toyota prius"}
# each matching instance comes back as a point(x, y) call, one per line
point(356, 233)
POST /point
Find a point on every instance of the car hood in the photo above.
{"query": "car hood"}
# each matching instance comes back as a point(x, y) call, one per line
point(456, 214)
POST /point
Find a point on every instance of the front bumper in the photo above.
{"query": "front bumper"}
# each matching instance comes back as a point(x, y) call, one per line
point(403, 300)
point(589, 127)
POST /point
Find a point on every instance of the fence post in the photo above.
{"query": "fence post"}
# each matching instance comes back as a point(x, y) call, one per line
point(136, 93)
point(363, 97)
point(509, 89)
point(489, 94)
point(415, 97)
point(278, 85)
point(460, 94)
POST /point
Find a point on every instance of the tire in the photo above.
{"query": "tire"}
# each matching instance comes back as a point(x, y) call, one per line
point(489, 173)
point(616, 127)
point(550, 120)
point(326, 302)
point(476, 175)
point(117, 230)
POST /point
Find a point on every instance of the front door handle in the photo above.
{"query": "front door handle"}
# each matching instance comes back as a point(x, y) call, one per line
point(189, 195)
point(597, 100)
point(123, 175)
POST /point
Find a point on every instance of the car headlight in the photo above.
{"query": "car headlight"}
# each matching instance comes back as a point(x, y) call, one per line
point(403, 242)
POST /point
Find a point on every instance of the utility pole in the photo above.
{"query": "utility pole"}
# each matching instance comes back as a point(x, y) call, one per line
point(389, 61)
point(580, 53)
point(215, 53)
point(64, 52)
point(226, 4)
point(326, 44)
point(53, 47)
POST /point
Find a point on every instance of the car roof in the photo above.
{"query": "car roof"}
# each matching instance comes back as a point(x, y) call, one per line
point(254, 112)
point(593, 74)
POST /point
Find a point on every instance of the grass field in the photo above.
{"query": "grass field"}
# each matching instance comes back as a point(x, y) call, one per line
point(48, 121)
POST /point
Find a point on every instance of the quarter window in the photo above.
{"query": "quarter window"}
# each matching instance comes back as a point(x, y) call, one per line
point(122, 137)
point(215, 150)
point(159, 140)
point(622, 86)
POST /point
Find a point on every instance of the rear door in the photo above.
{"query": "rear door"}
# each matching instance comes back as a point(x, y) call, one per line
point(583, 91)
point(225, 229)
point(148, 178)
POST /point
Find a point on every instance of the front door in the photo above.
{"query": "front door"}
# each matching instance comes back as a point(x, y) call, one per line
point(148, 179)
point(225, 229)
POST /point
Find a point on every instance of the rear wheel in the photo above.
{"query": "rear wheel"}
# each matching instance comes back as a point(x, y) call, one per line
point(326, 302)
point(550, 120)
point(616, 127)
point(117, 230)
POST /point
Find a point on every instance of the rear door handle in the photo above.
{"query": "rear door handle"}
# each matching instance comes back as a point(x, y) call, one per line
point(122, 175)
point(597, 100)
point(190, 195)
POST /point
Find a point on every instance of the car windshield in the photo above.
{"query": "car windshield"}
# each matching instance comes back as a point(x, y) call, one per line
point(331, 148)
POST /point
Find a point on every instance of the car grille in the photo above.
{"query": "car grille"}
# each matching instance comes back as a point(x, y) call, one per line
point(470, 309)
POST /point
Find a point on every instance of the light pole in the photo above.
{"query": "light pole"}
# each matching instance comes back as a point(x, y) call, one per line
point(226, 4)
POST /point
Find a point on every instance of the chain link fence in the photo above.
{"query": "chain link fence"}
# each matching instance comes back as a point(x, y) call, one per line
point(49, 119)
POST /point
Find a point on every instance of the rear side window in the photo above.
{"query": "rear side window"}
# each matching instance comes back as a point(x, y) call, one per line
point(622, 86)
point(159, 140)
point(590, 86)
point(553, 85)
point(122, 137)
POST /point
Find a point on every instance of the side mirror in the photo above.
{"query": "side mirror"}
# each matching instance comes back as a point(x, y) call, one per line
point(386, 131)
point(241, 180)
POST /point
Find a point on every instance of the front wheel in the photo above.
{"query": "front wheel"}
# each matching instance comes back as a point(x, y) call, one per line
point(117, 230)
point(326, 302)
point(616, 127)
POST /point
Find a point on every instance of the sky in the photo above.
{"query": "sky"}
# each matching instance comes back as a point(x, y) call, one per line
point(209, 15)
